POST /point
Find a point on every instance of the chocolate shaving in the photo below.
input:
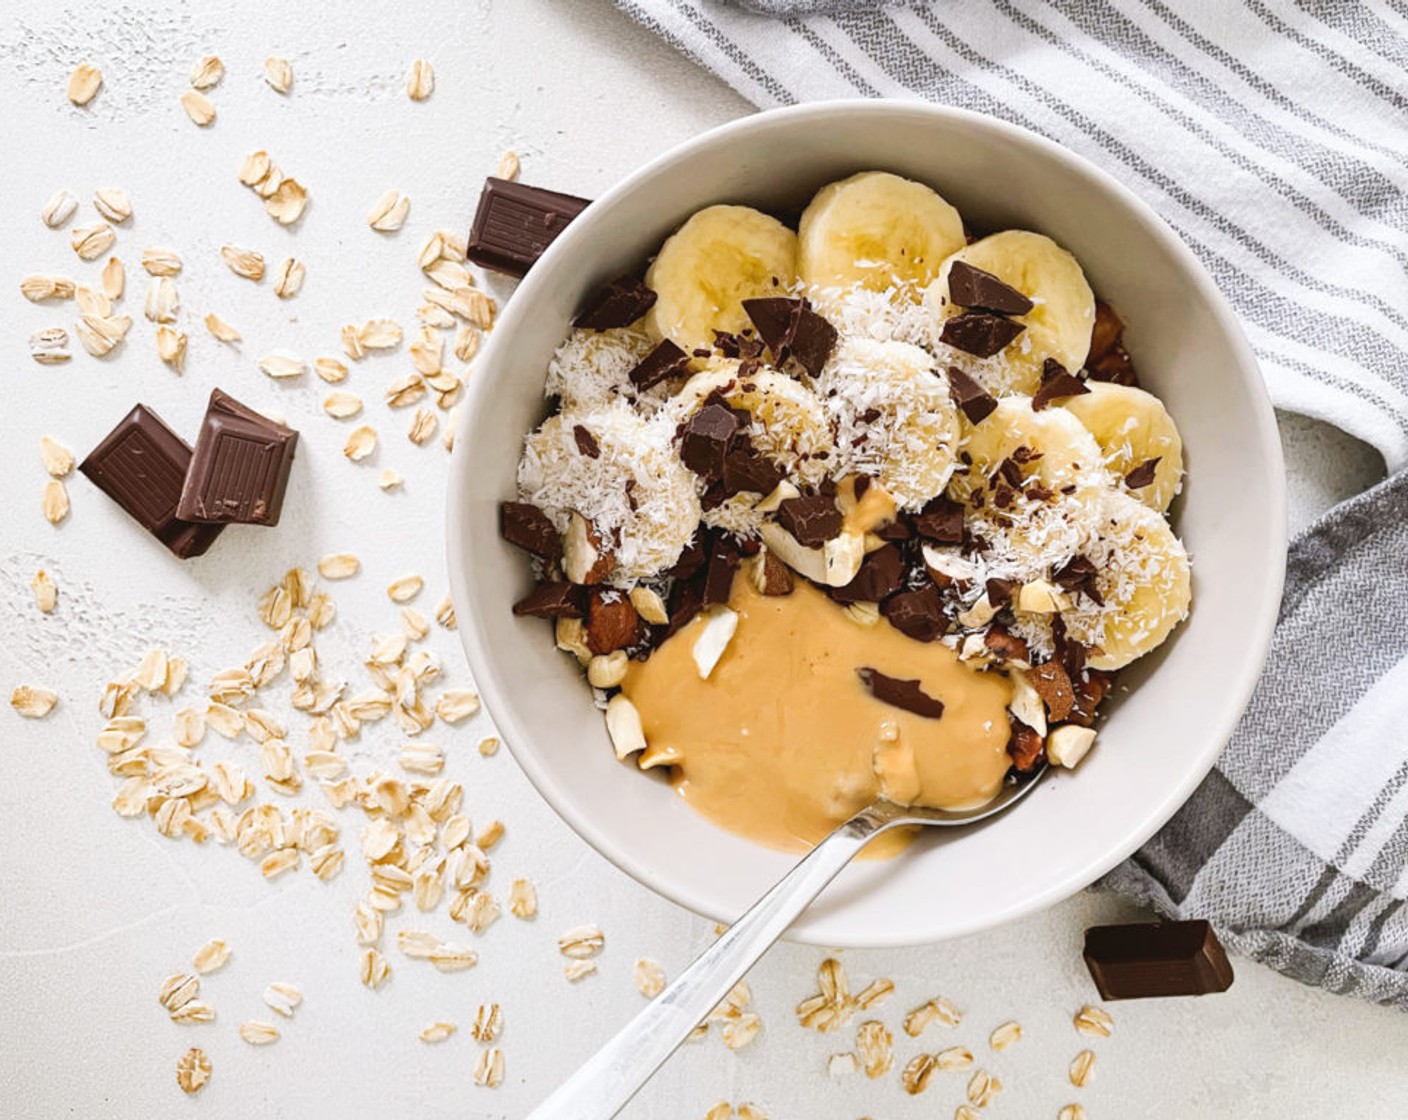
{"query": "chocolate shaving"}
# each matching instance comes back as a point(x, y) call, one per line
point(665, 361)
point(707, 438)
point(1057, 383)
point(979, 333)
point(1108, 359)
point(916, 614)
point(1011, 471)
point(1142, 475)
point(972, 399)
point(941, 521)
point(1069, 652)
point(1078, 575)
point(552, 599)
point(530, 529)
point(907, 695)
point(791, 329)
point(586, 442)
point(812, 520)
point(972, 287)
point(618, 304)
point(1053, 684)
point(881, 574)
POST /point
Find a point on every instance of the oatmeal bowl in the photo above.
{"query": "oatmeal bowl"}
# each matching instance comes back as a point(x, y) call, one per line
point(860, 449)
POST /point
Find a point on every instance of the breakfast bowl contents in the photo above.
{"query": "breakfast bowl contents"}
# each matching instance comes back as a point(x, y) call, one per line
point(1160, 726)
point(870, 508)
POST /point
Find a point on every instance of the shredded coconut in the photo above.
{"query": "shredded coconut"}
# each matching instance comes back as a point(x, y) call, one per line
point(590, 369)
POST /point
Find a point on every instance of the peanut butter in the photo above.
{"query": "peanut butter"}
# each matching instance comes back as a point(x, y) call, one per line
point(783, 741)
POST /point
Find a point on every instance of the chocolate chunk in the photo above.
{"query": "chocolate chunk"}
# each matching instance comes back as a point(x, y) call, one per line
point(707, 439)
point(881, 574)
point(1107, 331)
point(686, 601)
point(972, 287)
point(1025, 746)
point(1090, 691)
point(897, 530)
point(940, 521)
point(141, 465)
point(617, 304)
point(972, 399)
point(901, 694)
point(1077, 575)
point(1108, 360)
point(1154, 959)
point(586, 442)
point(980, 333)
point(812, 520)
point(917, 614)
point(612, 622)
point(665, 361)
point(515, 223)
point(747, 470)
point(1011, 472)
point(1005, 644)
point(791, 329)
point(775, 577)
point(1057, 383)
point(1053, 685)
point(552, 599)
point(1142, 475)
point(718, 572)
point(691, 558)
point(1069, 652)
point(528, 527)
point(1000, 592)
point(240, 467)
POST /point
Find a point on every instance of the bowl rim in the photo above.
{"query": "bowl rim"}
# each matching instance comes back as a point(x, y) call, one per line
point(489, 674)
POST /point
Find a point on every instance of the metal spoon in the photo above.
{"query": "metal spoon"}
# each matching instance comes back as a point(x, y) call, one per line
point(604, 1085)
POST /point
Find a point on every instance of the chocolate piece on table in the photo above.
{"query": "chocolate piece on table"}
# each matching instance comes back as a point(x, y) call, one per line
point(940, 521)
point(666, 360)
point(586, 442)
point(918, 614)
point(1057, 383)
point(515, 223)
point(1152, 959)
point(616, 304)
point(748, 470)
point(552, 599)
point(240, 468)
point(972, 287)
point(707, 438)
point(881, 574)
point(908, 695)
point(141, 465)
point(1142, 475)
point(528, 527)
point(791, 329)
point(972, 399)
point(979, 333)
point(812, 520)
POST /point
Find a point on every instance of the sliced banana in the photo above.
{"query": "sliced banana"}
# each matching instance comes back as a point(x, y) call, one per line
point(1143, 576)
point(1051, 446)
point(894, 418)
point(1057, 327)
point(790, 425)
point(710, 265)
point(1132, 427)
point(875, 230)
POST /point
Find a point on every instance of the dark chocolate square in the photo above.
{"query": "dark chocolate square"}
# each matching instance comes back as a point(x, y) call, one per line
point(240, 468)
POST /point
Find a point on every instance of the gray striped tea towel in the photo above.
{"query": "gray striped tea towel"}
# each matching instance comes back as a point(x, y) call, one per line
point(1270, 135)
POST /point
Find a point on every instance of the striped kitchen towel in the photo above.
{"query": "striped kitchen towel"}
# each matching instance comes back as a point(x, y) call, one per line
point(1271, 135)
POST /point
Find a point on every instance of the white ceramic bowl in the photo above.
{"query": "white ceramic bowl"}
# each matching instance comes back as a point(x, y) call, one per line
point(1159, 740)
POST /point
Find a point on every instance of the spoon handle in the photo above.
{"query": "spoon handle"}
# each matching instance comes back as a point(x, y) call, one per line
point(603, 1086)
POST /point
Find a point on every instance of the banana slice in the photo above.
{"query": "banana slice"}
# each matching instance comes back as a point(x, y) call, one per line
point(1051, 446)
point(894, 418)
point(1143, 576)
point(790, 425)
point(710, 265)
point(875, 230)
point(1058, 326)
point(1132, 427)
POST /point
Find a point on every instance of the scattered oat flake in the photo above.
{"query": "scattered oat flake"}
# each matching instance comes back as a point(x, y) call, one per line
point(83, 83)
point(917, 1073)
point(288, 278)
point(37, 288)
point(388, 479)
point(59, 209)
point(389, 211)
point(278, 72)
point(874, 992)
point(57, 459)
point(1005, 1035)
point(982, 1088)
point(221, 329)
point(455, 704)
point(178, 990)
point(488, 1022)
point(748, 1111)
point(46, 591)
point(171, 347)
point(489, 1068)
point(339, 565)
point(437, 1032)
point(112, 203)
point(576, 971)
point(508, 166)
point(649, 977)
point(198, 107)
point(420, 80)
point(287, 202)
point(196, 1011)
point(276, 863)
point(405, 589)
point(282, 363)
point(91, 242)
point(581, 942)
point(114, 278)
point(873, 1047)
point(49, 346)
point(1094, 1021)
point(207, 72)
point(965, 1112)
point(55, 503)
point(955, 1057)
point(939, 1010)
point(721, 1111)
point(842, 1065)
point(330, 370)
point(192, 1070)
point(211, 957)
point(379, 334)
point(423, 426)
point(373, 969)
point(282, 998)
point(489, 745)
point(1071, 1112)
point(1082, 1066)
point(258, 1033)
point(243, 262)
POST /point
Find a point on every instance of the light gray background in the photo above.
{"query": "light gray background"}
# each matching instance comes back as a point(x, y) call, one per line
point(95, 910)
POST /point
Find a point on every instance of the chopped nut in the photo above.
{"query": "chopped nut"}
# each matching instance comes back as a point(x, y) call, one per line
point(437, 1032)
point(420, 80)
point(1005, 1035)
point(91, 242)
point(83, 83)
point(288, 278)
point(198, 107)
point(57, 459)
point(389, 211)
point(211, 957)
point(221, 329)
point(489, 1068)
point(259, 1033)
point(1039, 596)
point(623, 723)
point(1094, 1021)
point(207, 72)
point(243, 262)
point(278, 73)
point(192, 1070)
point(58, 209)
point(1069, 743)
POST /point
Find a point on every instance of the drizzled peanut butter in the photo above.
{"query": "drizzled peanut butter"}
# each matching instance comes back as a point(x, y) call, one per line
point(783, 741)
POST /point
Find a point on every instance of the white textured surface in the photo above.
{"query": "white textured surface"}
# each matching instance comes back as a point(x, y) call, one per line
point(96, 910)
